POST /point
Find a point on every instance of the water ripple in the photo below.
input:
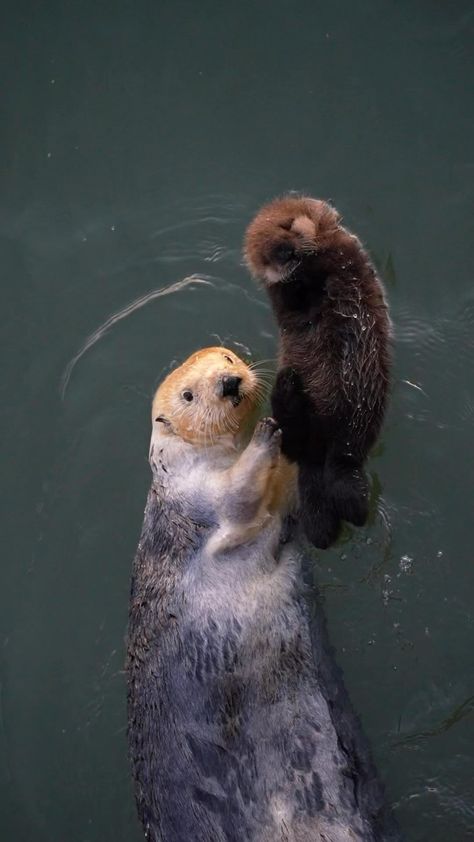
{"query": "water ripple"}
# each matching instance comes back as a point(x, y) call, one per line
point(459, 713)
point(122, 314)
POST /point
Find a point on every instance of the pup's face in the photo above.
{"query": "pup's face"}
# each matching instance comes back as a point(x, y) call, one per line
point(284, 232)
point(210, 395)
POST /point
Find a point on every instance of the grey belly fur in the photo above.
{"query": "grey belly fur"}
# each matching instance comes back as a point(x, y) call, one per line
point(240, 729)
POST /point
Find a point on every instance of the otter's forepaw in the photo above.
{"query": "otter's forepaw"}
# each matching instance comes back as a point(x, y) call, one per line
point(268, 434)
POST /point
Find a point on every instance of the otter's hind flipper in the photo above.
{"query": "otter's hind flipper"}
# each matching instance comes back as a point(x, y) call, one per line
point(349, 491)
point(320, 520)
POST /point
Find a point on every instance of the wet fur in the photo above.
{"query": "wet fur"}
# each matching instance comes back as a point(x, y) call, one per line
point(331, 390)
point(239, 726)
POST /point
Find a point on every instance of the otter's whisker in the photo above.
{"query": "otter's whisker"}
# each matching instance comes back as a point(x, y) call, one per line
point(258, 363)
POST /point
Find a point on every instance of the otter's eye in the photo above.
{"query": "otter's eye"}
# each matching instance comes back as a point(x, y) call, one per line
point(188, 396)
point(229, 359)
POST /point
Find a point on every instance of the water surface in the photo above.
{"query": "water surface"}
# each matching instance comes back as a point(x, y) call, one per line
point(137, 141)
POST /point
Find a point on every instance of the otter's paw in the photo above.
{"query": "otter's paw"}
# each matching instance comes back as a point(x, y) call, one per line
point(291, 237)
point(268, 434)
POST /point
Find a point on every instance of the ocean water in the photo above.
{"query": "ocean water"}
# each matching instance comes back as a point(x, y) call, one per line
point(138, 139)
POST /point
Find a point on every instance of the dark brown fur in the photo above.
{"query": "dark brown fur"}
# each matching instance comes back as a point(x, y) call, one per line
point(332, 386)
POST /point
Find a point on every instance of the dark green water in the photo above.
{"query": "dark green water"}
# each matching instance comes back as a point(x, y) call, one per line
point(137, 141)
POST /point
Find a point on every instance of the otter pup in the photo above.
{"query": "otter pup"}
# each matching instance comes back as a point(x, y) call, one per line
point(235, 733)
point(331, 390)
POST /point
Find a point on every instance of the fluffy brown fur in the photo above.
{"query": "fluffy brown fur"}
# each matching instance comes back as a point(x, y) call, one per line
point(332, 386)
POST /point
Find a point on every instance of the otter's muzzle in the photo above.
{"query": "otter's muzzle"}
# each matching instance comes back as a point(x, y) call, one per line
point(231, 388)
point(283, 253)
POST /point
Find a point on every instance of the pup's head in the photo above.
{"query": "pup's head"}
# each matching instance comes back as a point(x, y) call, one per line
point(211, 395)
point(286, 231)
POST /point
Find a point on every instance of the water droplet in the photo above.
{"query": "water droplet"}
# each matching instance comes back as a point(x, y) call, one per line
point(406, 563)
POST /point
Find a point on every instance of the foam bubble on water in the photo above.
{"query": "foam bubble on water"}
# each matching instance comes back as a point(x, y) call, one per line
point(406, 563)
point(386, 591)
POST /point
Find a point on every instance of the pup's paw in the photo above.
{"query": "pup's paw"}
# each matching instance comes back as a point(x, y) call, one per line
point(304, 228)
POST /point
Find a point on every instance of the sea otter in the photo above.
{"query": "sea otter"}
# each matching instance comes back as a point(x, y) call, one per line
point(239, 725)
point(331, 390)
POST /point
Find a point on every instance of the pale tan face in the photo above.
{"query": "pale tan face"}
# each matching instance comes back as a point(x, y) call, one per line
point(212, 394)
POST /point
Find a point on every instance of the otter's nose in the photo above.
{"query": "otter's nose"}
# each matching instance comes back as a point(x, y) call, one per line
point(230, 386)
point(283, 252)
